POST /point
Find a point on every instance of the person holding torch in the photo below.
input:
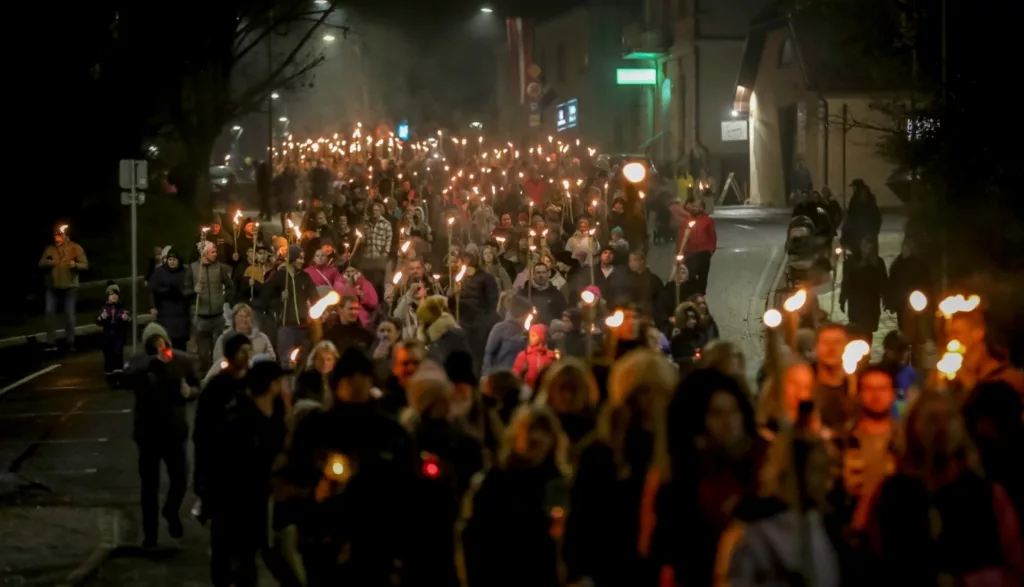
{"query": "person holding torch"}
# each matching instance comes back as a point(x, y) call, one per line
point(63, 260)
point(289, 294)
point(698, 243)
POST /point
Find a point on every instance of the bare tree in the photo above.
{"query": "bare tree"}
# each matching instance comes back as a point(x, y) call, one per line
point(187, 68)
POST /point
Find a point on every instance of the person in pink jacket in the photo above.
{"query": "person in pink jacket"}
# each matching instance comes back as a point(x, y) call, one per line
point(325, 276)
point(354, 284)
point(532, 360)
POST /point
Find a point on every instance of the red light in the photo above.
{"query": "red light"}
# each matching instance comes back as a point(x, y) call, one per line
point(431, 470)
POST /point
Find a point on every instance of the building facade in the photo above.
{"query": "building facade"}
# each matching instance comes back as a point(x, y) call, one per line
point(810, 126)
point(685, 112)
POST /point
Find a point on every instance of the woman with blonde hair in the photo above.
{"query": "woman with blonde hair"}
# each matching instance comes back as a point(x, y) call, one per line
point(241, 321)
point(619, 471)
point(512, 521)
point(312, 390)
point(569, 388)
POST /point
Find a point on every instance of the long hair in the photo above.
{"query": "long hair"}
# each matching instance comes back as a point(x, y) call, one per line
point(915, 458)
point(641, 371)
point(571, 372)
point(522, 420)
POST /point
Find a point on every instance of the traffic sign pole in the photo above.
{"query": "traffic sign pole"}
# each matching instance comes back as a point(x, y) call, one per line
point(135, 261)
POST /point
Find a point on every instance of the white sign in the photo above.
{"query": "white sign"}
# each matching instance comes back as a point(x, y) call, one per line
point(126, 198)
point(734, 130)
point(137, 168)
point(534, 120)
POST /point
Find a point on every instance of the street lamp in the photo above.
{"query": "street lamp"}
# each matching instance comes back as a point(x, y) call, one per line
point(283, 119)
point(275, 96)
point(236, 128)
point(486, 10)
point(328, 38)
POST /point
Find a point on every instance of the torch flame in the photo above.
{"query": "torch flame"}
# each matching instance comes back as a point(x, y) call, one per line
point(528, 322)
point(405, 246)
point(238, 216)
point(500, 239)
point(461, 274)
point(323, 303)
point(64, 227)
point(918, 300)
point(853, 353)
point(396, 278)
point(796, 301)
point(691, 224)
point(949, 364)
point(294, 355)
point(772, 318)
point(359, 234)
point(451, 221)
point(616, 319)
point(588, 297)
point(955, 346)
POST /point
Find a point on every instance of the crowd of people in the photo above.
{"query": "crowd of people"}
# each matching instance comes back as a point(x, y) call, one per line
point(504, 393)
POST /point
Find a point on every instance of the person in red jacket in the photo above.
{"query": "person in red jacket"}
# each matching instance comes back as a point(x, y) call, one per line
point(532, 360)
point(701, 244)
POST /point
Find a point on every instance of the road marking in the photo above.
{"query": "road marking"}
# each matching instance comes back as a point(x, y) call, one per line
point(25, 380)
point(52, 414)
point(61, 441)
point(745, 226)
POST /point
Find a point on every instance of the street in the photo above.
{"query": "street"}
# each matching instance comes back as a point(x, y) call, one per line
point(69, 488)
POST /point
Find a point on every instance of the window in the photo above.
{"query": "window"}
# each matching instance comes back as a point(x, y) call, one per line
point(787, 54)
point(560, 62)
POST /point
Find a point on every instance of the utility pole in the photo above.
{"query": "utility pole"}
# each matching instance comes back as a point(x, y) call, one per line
point(270, 99)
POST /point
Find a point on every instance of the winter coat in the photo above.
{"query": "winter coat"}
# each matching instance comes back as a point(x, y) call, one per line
point(325, 278)
point(443, 337)
point(762, 549)
point(504, 343)
point(60, 275)
point(643, 289)
point(159, 415)
point(368, 303)
point(170, 299)
point(864, 287)
point(531, 361)
point(511, 529)
point(114, 318)
point(549, 302)
point(479, 300)
point(216, 287)
point(301, 295)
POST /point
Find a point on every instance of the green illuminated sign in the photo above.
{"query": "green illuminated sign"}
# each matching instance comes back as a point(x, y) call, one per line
point(636, 77)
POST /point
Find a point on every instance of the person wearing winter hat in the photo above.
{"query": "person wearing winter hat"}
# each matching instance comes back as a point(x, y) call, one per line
point(532, 360)
point(289, 294)
point(162, 380)
point(222, 240)
point(209, 283)
point(115, 321)
point(438, 330)
point(505, 340)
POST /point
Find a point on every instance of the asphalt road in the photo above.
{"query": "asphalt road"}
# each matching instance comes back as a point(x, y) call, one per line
point(750, 251)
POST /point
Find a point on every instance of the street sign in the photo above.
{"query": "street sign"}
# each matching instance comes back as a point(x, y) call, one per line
point(126, 198)
point(534, 71)
point(134, 168)
point(403, 131)
point(534, 120)
point(534, 90)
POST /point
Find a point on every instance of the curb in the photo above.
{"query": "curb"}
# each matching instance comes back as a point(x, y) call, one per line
point(98, 556)
point(778, 278)
point(84, 330)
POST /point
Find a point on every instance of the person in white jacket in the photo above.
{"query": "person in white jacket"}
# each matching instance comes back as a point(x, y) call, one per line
point(241, 322)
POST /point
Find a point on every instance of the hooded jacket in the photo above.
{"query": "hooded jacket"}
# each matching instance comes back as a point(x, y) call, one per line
point(532, 360)
point(504, 343)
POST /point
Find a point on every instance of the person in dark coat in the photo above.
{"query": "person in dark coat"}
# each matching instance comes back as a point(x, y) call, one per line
point(908, 273)
point(863, 218)
point(671, 297)
point(477, 308)
point(162, 380)
point(439, 330)
point(170, 299)
point(864, 287)
point(541, 294)
point(644, 286)
point(510, 537)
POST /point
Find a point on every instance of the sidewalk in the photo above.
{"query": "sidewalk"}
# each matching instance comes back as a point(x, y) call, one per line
point(889, 243)
point(33, 330)
point(54, 545)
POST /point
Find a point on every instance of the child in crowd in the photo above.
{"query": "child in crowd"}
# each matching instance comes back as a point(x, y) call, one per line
point(115, 320)
point(532, 360)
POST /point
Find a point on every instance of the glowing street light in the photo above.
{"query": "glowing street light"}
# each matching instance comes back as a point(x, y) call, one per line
point(283, 119)
point(275, 96)
point(486, 10)
point(236, 128)
point(329, 38)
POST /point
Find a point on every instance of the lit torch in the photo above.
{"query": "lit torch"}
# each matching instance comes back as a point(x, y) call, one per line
point(458, 289)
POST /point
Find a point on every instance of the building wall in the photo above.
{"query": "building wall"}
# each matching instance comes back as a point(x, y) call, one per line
point(562, 50)
point(779, 86)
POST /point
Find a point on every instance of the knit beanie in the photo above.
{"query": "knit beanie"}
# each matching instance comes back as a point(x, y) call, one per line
point(294, 252)
point(431, 309)
point(112, 288)
point(164, 252)
point(153, 330)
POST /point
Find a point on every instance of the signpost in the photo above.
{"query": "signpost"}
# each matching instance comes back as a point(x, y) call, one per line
point(133, 177)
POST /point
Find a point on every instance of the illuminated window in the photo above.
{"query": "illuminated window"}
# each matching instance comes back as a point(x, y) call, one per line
point(787, 55)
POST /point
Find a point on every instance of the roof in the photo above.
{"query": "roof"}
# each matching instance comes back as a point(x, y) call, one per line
point(832, 60)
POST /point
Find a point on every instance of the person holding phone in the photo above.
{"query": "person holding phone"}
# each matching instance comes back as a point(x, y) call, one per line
point(163, 380)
